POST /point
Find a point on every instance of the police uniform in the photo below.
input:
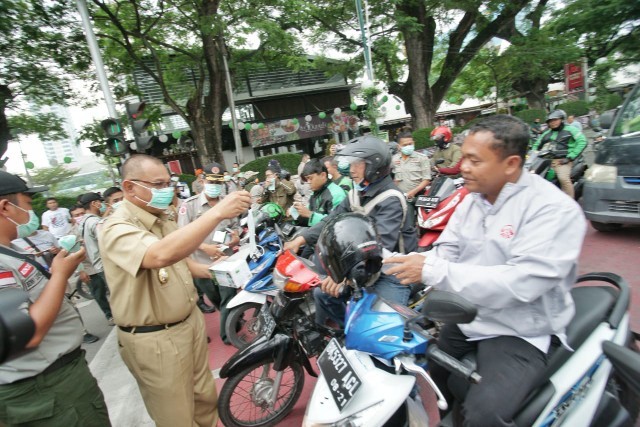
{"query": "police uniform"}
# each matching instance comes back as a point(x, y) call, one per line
point(161, 333)
point(50, 385)
point(410, 172)
point(190, 210)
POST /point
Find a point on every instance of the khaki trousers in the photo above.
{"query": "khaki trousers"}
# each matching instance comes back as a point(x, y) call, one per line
point(172, 370)
point(563, 173)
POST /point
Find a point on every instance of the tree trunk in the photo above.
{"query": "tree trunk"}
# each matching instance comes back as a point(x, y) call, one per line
point(5, 134)
point(419, 52)
point(534, 90)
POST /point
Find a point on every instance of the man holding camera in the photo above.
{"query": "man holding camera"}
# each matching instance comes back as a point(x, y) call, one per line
point(51, 386)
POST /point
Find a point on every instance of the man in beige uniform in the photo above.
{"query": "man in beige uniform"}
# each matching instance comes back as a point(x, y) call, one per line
point(161, 333)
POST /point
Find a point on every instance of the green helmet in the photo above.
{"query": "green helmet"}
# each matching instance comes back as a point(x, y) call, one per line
point(271, 212)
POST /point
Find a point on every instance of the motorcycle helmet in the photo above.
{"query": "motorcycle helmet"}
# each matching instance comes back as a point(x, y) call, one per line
point(348, 248)
point(270, 213)
point(442, 136)
point(373, 151)
point(557, 114)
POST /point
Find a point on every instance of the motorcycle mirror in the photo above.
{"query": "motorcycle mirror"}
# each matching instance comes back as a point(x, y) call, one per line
point(448, 308)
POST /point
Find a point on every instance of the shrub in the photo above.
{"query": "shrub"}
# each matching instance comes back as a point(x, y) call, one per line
point(574, 108)
point(528, 116)
point(185, 177)
point(422, 138)
point(288, 161)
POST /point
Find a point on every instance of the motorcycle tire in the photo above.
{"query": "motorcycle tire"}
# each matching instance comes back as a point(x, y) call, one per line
point(83, 290)
point(250, 386)
point(242, 324)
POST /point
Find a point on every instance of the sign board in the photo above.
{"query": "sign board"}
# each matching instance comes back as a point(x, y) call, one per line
point(573, 78)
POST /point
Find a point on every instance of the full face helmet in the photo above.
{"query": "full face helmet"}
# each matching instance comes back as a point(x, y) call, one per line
point(349, 248)
point(373, 151)
point(442, 135)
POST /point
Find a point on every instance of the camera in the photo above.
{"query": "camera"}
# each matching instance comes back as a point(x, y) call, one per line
point(16, 327)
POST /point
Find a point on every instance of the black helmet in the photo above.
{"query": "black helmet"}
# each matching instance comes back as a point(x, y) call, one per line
point(557, 114)
point(348, 248)
point(373, 151)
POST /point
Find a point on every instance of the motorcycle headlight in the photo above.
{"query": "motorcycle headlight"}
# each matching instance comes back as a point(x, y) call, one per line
point(601, 174)
point(356, 420)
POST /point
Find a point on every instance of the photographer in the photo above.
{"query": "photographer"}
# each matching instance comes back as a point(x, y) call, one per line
point(52, 385)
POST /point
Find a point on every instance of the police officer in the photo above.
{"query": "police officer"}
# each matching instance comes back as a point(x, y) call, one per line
point(161, 332)
point(210, 250)
point(412, 171)
point(51, 386)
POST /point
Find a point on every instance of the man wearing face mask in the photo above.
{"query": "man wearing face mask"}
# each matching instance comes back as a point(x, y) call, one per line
point(161, 333)
point(210, 250)
point(412, 171)
point(375, 195)
point(49, 385)
point(445, 150)
point(113, 198)
point(95, 207)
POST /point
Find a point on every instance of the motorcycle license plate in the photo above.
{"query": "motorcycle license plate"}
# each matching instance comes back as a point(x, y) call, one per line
point(340, 376)
point(267, 322)
point(427, 202)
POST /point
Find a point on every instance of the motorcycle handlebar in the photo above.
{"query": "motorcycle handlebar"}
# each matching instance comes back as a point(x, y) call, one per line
point(452, 364)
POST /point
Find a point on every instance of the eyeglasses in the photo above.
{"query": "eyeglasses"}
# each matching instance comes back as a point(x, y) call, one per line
point(162, 184)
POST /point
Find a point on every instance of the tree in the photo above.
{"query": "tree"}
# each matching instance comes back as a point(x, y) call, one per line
point(439, 39)
point(41, 50)
point(53, 177)
point(171, 39)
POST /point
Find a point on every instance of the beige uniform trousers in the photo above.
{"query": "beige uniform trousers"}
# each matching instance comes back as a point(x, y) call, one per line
point(172, 370)
point(563, 173)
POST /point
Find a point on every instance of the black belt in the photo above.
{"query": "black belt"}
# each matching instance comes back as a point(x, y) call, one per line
point(146, 329)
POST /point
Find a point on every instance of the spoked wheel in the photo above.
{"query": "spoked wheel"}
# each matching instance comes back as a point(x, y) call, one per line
point(83, 290)
point(242, 324)
point(246, 398)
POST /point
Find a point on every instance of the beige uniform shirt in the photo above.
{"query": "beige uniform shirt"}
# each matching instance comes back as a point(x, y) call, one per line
point(139, 296)
point(64, 335)
point(192, 209)
point(410, 172)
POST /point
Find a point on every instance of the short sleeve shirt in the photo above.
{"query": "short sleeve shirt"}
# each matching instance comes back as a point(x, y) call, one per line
point(192, 209)
point(57, 221)
point(64, 335)
point(410, 172)
point(143, 296)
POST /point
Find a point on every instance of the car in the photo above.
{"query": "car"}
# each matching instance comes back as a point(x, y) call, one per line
point(611, 195)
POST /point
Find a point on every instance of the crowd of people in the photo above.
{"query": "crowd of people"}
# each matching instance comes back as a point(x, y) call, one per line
point(511, 249)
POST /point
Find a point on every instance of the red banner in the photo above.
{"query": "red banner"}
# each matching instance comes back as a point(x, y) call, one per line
point(573, 78)
point(174, 166)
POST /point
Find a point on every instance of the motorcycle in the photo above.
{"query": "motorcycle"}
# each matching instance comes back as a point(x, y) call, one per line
point(242, 321)
point(436, 207)
point(268, 374)
point(578, 388)
point(539, 163)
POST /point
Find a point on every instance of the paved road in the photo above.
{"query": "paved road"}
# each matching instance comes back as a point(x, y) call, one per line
point(615, 252)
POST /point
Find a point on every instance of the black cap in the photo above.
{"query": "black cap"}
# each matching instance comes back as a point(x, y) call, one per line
point(13, 184)
point(87, 198)
point(214, 168)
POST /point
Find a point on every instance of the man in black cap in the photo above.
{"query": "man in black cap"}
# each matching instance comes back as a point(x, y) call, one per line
point(95, 207)
point(46, 386)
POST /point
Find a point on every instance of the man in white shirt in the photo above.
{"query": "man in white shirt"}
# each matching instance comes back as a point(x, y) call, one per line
point(56, 220)
point(511, 248)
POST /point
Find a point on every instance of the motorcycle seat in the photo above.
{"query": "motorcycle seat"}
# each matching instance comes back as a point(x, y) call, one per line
point(593, 304)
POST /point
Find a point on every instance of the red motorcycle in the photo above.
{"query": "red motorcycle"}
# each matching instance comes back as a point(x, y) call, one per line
point(435, 208)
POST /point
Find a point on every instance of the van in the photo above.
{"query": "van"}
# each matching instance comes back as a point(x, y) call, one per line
point(611, 195)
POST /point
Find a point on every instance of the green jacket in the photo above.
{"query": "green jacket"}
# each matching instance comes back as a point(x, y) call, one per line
point(564, 138)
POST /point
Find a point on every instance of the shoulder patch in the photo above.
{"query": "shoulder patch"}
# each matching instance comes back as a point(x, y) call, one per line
point(7, 278)
point(183, 210)
point(26, 269)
